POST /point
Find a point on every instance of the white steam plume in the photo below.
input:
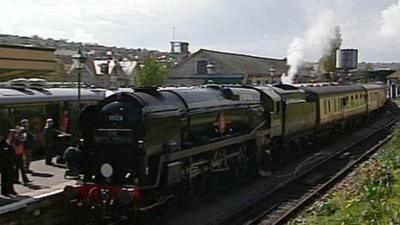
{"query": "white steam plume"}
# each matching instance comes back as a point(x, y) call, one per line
point(313, 43)
point(390, 22)
point(294, 59)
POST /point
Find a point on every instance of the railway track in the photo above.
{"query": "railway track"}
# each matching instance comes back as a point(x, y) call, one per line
point(278, 206)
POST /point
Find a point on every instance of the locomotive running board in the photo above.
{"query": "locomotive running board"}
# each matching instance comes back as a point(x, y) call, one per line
point(208, 147)
point(158, 203)
point(211, 146)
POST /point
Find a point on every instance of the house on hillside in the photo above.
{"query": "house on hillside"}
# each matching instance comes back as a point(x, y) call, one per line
point(206, 66)
point(107, 72)
point(393, 82)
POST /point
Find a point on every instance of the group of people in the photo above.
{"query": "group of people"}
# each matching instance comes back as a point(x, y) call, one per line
point(16, 149)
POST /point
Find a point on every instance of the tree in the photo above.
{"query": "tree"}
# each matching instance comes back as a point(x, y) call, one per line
point(151, 74)
point(328, 61)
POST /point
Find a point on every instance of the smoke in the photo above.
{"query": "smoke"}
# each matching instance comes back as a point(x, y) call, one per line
point(314, 43)
point(390, 22)
point(294, 59)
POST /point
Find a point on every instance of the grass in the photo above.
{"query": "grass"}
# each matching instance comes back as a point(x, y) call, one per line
point(370, 195)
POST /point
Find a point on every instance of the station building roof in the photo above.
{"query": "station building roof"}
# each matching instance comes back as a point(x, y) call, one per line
point(25, 61)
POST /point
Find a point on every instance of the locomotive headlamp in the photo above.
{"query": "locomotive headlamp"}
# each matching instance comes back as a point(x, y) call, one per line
point(140, 144)
point(106, 170)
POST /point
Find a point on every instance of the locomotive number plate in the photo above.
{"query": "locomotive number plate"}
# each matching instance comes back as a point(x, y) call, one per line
point(113, 136)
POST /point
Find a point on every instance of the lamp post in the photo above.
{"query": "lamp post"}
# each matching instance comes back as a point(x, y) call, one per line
point(79, 60)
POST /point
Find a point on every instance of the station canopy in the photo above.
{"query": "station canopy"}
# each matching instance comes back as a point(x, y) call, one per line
point(25, 61)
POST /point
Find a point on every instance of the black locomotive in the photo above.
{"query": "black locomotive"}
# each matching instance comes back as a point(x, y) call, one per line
point(139, 147)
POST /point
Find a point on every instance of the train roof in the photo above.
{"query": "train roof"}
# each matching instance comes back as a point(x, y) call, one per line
point(214, 96)
point(335, 89)
point(26, 95)
point(267, 90)
point(109, 92)
point(373, 86)
point(289, 92)
point(191, 98)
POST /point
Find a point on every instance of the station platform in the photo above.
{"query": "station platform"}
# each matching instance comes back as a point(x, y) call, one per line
point(46, 181)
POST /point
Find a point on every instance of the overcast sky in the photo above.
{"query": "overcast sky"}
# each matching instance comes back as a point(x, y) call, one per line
point(258, 27)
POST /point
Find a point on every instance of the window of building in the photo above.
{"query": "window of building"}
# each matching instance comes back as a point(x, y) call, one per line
point(201, 67)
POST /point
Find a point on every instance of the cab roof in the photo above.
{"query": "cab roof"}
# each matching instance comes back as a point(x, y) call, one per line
point(331, 90)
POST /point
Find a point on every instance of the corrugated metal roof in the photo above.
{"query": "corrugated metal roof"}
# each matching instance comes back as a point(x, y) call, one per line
point(395, 75)
point(21, 96)
point(373, 86)
point(247, 64)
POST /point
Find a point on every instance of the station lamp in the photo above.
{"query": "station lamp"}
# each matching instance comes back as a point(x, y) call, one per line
point(79, 60)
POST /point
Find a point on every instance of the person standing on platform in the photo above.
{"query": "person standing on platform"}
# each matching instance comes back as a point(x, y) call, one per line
point(19, 157)
point(7, 163)
point(28, 140)
point(50, 135)
point(65, 121)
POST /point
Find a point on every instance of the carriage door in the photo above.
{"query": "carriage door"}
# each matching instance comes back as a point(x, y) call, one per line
point(343, 105)
point(53, 111)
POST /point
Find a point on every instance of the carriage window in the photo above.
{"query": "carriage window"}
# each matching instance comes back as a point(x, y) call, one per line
point(344, 102)
point(36, 114)
point(329, 105)
point(334, 105)
point(73, 115)
point(277, 107)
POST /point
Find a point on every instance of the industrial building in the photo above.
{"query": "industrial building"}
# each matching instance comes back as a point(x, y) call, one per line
point(206, 66)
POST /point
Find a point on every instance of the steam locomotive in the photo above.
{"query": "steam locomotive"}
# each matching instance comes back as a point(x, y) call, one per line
point(140, 148)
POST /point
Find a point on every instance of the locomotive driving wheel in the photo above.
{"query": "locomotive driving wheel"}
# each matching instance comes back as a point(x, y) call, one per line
point(241, 165)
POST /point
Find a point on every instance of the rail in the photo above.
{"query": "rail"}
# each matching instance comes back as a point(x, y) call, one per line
point(280, 204)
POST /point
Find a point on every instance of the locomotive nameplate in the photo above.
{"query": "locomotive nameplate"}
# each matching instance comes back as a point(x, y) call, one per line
point(113, 136)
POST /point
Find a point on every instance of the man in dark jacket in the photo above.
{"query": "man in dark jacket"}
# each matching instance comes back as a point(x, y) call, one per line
point(7, 161)
point(28, 140)
point(50, 135)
